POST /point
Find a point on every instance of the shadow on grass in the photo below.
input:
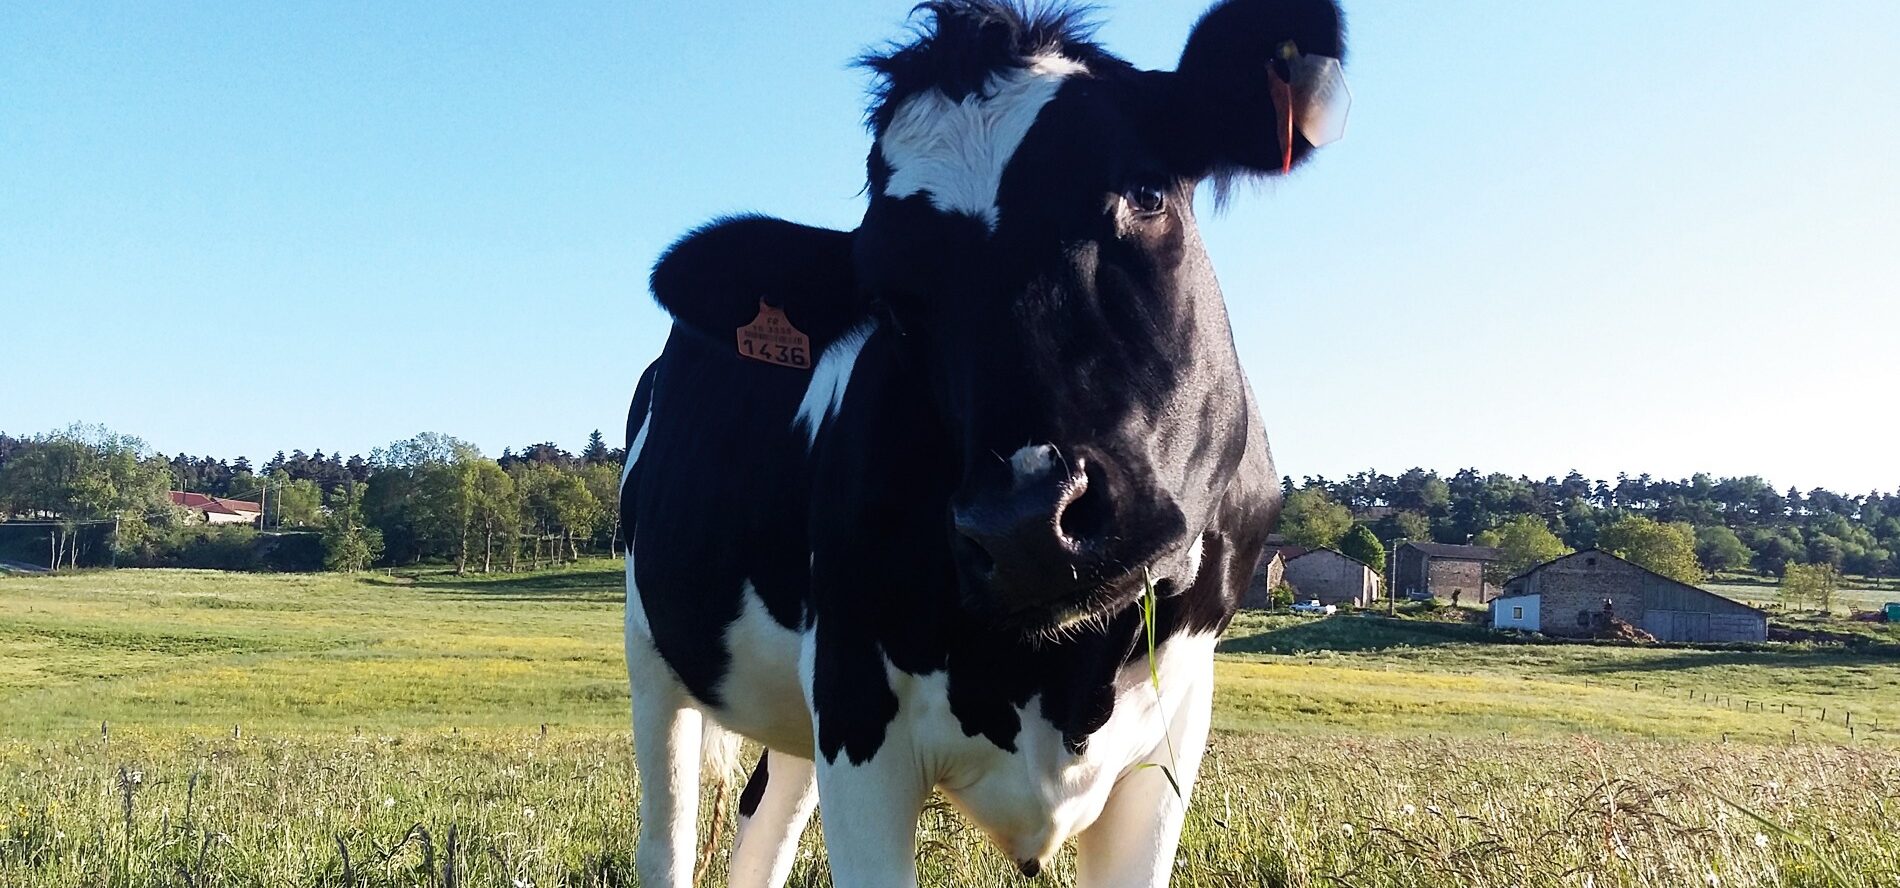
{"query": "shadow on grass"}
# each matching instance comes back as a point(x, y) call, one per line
point(1358, 633)
point(574, 584)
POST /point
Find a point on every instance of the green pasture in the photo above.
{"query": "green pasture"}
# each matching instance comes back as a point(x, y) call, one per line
point(192, 729)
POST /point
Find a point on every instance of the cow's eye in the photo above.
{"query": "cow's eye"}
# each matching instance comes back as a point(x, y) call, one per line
point(1146, 199)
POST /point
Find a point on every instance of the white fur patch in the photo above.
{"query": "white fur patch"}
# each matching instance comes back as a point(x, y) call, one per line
point(1032, 462)
point(957, 151)
point(825, 394)
point(639, 443)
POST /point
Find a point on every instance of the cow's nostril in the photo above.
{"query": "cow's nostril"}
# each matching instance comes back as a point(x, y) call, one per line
point(1084, 513)
point(974, 554)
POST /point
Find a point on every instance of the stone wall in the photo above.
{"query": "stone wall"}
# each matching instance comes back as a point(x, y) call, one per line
point(1464, 579)
point(1267, 574)
point(1333, 579)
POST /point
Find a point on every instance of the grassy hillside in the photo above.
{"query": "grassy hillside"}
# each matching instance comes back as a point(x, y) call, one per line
point(378, 715)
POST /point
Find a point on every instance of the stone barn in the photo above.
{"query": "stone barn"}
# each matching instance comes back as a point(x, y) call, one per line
point(1579, 594)
point(1270, 572)
point(1333, 578)
point(1445, 572)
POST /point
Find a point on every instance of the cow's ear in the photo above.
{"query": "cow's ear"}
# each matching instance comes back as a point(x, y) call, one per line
point(713, 279)
point(1252, 70)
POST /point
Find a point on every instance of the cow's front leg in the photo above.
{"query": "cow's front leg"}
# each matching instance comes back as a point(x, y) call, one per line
point(870, 812)
point(1132, 844)
point(666, 748)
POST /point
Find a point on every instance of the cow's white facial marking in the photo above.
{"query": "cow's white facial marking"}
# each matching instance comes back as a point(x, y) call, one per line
point(825, 394)
point(1031, 463)
point(957, 151)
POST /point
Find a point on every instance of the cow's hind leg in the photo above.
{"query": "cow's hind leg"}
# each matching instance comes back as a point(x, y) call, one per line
point(777, 802)
point(666, 747)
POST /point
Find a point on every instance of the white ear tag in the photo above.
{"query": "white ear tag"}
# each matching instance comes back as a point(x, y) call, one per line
point(1322, 97)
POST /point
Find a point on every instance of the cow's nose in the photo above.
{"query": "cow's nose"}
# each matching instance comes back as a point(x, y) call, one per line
point(1032, 541)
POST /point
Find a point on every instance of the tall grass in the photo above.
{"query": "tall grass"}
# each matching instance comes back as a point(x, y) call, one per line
point(510, 809)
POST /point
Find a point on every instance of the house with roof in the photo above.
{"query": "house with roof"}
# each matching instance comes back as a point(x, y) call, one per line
point(1583, 593)
point(1443, 572)
point(1332, 578)
point(218, 510)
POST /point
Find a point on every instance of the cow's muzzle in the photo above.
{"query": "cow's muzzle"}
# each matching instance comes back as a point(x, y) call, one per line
point(1038, 541)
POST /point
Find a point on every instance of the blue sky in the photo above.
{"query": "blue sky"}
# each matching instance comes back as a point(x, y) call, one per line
point(1615, 236)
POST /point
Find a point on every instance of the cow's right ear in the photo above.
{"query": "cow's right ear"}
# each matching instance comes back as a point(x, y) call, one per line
point(1258, 86)
point(713, 279)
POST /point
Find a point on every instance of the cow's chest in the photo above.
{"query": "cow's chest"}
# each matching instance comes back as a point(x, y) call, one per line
point(1041, 792)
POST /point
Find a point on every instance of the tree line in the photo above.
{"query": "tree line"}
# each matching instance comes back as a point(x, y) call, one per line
point(1683, 528)
point(87, 496)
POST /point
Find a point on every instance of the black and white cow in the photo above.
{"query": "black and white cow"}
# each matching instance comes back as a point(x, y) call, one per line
point(917, 563)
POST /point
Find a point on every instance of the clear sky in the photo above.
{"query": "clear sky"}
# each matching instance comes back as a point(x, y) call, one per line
point(1612, 236)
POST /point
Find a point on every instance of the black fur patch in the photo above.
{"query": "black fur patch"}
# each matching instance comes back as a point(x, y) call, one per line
point(755, 788)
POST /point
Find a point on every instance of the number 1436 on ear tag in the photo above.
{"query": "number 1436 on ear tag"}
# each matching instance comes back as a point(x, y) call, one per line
point(772, 339)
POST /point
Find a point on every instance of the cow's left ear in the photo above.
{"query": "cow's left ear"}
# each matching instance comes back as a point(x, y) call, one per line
point(713, 280)
point(1259, 86)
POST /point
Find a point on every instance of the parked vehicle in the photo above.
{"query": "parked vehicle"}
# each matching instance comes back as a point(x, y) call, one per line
point(1312, 607)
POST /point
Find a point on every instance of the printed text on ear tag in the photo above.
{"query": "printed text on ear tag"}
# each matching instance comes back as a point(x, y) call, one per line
point(772, 339)
point(1324, 100)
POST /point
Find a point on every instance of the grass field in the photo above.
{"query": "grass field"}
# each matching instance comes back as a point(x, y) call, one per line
point(390, 731)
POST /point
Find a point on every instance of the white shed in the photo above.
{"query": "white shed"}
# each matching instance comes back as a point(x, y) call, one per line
point(1517, 612)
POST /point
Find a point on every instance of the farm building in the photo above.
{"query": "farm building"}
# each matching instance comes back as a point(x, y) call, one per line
point(1579, 594)
point(1270, 572)
point(1442, 571)
point(1333, 578)
point(217, 510)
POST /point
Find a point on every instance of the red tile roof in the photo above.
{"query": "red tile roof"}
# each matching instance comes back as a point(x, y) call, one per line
point(205, 503)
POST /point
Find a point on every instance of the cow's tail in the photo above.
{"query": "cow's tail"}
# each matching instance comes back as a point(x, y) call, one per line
point(719, 753)
point(719, 761)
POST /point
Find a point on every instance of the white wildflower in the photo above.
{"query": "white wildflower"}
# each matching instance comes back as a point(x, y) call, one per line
point(1408, 810)
point(1761, 841)
point(527, 812)
point(1347, 829)
point(389, 802)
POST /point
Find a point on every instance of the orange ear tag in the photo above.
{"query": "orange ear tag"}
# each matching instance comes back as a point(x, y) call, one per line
point(772, 339)
point(1283, 117)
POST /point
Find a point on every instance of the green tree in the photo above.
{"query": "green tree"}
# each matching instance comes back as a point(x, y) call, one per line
point(293, 503)
point(348, 545)
point(81, 476)
point(1719, 548)
point(1526, 542)
point(489, 506)
point(1313, 520)
point(1403, 525)
point(1668, 549)
point(1806, 586)
point(1363, 546)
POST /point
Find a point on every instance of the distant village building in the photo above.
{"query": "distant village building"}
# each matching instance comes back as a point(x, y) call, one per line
point(1580, 594)
point(217, 510)
point(1332, 578)
point(1444, 572)
point(1270, 572)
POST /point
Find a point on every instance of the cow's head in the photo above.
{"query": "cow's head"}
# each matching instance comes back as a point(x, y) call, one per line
point(1031, 237)
point(1031, 234)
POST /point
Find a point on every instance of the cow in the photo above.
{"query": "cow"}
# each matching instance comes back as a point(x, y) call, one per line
point(917, 507)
